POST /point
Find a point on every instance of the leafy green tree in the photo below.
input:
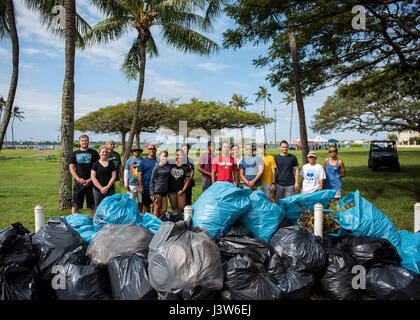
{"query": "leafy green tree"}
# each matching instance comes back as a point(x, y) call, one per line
point(16, 114)
point(117, 119)
point(263, 95)
point(212, 115)
point(392, 136)
point(175, 19)
point(371, 106)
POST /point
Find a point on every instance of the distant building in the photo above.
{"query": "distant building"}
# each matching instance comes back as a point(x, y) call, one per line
point(404, 136)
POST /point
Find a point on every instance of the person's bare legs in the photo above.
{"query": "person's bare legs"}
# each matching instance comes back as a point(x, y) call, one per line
point(164, 205)
point(92, 212)
point(174, 201)
point(158, 205)
point(182, 201)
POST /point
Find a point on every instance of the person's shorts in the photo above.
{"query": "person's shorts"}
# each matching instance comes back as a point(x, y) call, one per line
point(146, 198)
point(80, 193)
point(283, 192)
point(205, 183)
point(163, 194)
point(266, 188)
point(134, 192)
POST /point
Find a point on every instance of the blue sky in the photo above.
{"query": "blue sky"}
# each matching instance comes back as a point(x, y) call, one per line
point(99, 81)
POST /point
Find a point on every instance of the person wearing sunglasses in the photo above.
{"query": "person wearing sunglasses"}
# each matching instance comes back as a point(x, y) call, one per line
point(334, 170)
point(144, 174)
point(131, 182)
point(251, 169)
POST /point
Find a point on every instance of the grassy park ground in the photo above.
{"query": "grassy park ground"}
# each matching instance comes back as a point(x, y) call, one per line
point(28, 179)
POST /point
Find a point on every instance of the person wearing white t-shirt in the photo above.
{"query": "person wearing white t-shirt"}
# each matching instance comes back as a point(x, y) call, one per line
point(313, 175)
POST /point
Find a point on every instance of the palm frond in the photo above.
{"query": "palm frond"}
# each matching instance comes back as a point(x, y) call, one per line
point(131, 64)
point(4, 26)
point(109, 29)
point(113, 8)
point(187, 40)
point(214, 9)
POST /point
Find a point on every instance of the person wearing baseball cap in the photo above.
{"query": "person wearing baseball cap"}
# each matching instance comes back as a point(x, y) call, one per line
point(313, 175)
point(131, 183)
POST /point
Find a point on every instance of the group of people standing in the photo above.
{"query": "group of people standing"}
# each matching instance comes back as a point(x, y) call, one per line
point(156, 178)
point(277, 176)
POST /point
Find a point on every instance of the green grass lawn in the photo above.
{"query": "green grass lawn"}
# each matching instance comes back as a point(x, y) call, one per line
point(26, 182)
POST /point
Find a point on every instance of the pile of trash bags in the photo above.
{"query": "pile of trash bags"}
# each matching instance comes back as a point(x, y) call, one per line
point(236, 246)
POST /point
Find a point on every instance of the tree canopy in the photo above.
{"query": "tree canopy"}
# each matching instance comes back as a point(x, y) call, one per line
point(369, 105)
point(212, 115)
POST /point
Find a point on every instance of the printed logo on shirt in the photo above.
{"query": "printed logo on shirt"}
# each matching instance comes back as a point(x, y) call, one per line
point(83, 157)
point(310, 176)
point(134, 169)
point(177, 173)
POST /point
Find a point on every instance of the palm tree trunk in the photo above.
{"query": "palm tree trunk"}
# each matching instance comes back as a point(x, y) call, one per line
point(123, 146)
point(67, 111)
point(298, 95)
point(143, 41)
point(10, 10)
point(138, 138)
point(291, 122)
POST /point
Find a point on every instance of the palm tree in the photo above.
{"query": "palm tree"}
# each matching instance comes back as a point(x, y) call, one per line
point(174, 19)
point(8, 28)
point(239, 102)
point(264, 96)
point(290, 97)
point(2, 105)
point(16, 114)
point(72, 30)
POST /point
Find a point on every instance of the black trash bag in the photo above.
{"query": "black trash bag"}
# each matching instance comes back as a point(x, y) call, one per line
point(245, 279)
point(17, 283)
point(128, 277)
point(51, 243)
point(236, 230)
point(16, 246)
point(368, 251)
point(83, 279)
point(336, 281)
point(294, 285)
point(299, 249)
point(182, 258)
point(199, 293)
point(173, 216)
point(391, 282)
point(169, 296)
point(114, 239)
point(257, 249)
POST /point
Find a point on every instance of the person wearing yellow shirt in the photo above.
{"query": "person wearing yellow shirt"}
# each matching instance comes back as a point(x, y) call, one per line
point(269, 175)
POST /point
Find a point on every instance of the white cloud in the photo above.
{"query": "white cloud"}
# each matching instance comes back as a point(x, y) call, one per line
point(212, 66)
point(33, 51)
point(4, 52)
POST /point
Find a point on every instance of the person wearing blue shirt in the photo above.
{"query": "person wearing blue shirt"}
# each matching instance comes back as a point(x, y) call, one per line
point(144, 174)
point(251, 169)
point(131, 182)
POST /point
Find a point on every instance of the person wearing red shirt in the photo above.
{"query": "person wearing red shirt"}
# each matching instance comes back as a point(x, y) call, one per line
point(224, 167)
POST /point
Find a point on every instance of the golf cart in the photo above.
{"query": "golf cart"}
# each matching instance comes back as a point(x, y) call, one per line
point(383, 153)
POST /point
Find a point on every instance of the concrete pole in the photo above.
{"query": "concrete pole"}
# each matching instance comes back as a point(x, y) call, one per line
point(417, 217)
point(39, 217)
point(318, 219)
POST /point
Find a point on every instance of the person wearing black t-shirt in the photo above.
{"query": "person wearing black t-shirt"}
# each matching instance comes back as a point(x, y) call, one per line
point(179, 181)
point(116, 159)
point(103, 176)
point(80, 165)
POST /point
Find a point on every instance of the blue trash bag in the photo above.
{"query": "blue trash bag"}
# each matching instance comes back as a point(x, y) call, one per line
point(117, 209)
point(263, 216)
point(293, 205)
point(83, 224)
point(409, 250)
point(364, 219)
point(220, 206)
point(149, 221)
